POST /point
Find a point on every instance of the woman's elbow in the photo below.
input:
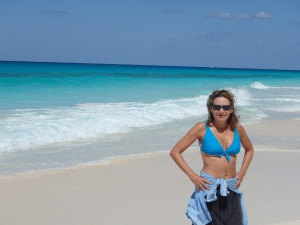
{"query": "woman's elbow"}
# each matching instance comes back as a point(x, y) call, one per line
point(172, 153)
point(249, 151)
point(175, 152)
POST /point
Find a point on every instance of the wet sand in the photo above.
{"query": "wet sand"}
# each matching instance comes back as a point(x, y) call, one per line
point(151, 189)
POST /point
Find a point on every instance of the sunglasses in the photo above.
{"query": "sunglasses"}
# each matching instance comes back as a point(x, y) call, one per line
point(218, 107)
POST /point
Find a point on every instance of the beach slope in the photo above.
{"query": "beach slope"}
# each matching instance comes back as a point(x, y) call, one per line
point(148, 189)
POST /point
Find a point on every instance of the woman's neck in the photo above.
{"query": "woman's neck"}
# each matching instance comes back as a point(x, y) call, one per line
point(221, 126)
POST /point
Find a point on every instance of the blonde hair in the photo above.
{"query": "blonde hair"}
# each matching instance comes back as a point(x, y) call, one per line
point(233, 118)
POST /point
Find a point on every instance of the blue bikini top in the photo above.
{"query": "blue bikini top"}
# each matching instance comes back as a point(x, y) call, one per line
point(211, 145)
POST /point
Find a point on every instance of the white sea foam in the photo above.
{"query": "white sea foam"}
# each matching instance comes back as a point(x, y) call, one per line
point(243, 97)
point(295, 88)
point(285, 100)
point(290, 108)
point(30, 128)
point(258, 85)
point(33, 128)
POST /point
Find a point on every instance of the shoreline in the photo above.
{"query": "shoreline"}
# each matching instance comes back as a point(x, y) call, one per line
point(258, 136)
point(135, 143)
point(150, 189)
point(121, 159)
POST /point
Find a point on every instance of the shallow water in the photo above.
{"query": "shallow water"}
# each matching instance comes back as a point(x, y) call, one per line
point(56, 115)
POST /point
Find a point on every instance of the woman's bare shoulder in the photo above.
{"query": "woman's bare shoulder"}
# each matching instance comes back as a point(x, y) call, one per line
point(201, 125)
point(240, 128)
point(199, 128)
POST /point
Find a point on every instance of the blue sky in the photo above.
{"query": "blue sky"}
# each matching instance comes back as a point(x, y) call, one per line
point(205, 33)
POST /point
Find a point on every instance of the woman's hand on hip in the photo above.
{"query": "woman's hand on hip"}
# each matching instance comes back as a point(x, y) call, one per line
point(239, 177)
point(200, 182)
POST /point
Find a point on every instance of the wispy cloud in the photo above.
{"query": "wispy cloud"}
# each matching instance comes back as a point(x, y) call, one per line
point(175, 11)
point(239, 16)
point(54, 11)
point(263, 15)
point(227, 15)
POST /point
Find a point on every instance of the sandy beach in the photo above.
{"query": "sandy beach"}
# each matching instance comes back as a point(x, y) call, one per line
point(151, 189)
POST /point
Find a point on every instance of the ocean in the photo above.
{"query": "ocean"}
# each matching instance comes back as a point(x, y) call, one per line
point(63, 115)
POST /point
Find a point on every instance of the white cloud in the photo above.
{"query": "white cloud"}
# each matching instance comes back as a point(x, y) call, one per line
point(240, 16)
point(221, 15)
point(263, 15)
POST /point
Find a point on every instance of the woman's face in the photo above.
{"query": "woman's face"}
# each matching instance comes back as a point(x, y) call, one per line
point(221, 114)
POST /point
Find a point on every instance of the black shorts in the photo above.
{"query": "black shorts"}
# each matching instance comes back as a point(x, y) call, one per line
point(226, 210)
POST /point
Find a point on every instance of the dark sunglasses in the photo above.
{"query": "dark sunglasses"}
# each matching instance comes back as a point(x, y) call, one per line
point(218, 107)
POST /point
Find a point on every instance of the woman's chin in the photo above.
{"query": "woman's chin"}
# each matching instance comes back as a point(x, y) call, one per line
point(221, 118)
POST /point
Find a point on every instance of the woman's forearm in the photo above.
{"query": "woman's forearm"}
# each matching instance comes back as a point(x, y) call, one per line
point(177, 157)
point(246, 161)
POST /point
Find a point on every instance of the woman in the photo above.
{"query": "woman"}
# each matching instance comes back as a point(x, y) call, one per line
point(216, 199)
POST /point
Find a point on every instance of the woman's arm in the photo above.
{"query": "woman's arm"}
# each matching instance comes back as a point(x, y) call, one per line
point(249, 151)
point(194, 133)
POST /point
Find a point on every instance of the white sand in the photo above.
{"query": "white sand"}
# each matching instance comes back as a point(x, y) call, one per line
point(296, 222)
point(148, 190)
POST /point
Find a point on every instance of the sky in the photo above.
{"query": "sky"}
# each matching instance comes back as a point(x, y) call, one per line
point(262, 34)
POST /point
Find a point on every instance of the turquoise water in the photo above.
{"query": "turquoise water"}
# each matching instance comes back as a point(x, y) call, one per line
point(57, 115)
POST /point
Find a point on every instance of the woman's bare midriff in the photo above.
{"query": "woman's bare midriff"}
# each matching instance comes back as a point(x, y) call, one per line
point(219, 167)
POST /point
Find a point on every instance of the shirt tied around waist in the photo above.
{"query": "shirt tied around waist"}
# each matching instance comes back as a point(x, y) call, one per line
point(197, 209)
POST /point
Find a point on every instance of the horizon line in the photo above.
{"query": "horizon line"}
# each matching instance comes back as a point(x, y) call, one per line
point(142, 65)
